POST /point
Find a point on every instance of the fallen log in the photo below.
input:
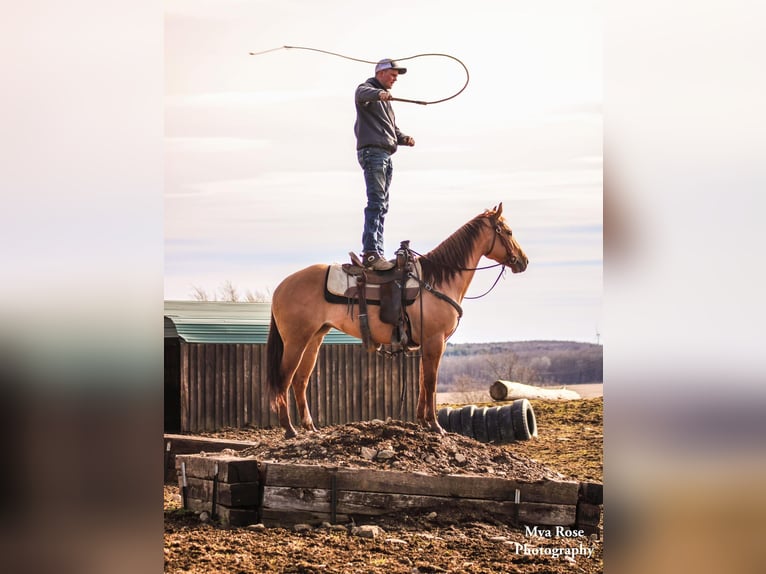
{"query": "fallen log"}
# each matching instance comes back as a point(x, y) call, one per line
point(508, 391)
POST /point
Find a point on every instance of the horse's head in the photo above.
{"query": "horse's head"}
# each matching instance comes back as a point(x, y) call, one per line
point(506, 251)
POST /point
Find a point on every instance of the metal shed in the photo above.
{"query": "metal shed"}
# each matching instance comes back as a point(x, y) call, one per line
point(215, 372)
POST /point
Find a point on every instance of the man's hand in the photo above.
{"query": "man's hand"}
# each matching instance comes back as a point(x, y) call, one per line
point(409, 140)
point(385, 96)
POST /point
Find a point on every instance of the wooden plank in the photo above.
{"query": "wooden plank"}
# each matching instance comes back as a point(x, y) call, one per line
point(185, 444)
point(396, 482)
point(236, 397)
point(332, 384)
point(415, 386)
point(356, 382)
point(588, 514)
point(231, 469)
point(193, 388)
point(275, 517)
point(297, 475)
point(184, 376)
point(247, 396)
point(341, 378)
point(546, 514)
point(348, 381)
point(201, 389)
point(222, 390)
point(228, 516)
point(357, 503)
point(198, 367)
point(291, 498)
point(370, 386)
point(240, 385)
point(317, 398)
point(209, 386)
point(388, 386)
point(230, 405)
point(592, 492)
point(257, 385)
point(238, 494)
point(396, 381)
point(412, 388)
point(268, 418)
point(380, 385)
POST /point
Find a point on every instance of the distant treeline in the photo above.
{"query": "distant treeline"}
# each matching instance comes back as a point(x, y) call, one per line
point(471, 366)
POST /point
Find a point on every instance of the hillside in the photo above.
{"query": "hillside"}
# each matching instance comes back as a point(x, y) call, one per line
point(467, 366)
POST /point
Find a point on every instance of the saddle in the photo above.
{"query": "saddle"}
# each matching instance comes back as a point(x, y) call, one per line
point(393, 290)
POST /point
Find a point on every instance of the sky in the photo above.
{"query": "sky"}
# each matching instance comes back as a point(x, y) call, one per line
point(261, 176)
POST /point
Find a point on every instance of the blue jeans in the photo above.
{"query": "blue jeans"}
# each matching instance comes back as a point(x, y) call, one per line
point(378, 168)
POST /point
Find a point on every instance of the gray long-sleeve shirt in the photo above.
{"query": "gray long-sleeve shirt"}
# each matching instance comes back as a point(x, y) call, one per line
point(375, 122)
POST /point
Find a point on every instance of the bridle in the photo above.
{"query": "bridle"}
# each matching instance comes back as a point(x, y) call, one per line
point(509, 261)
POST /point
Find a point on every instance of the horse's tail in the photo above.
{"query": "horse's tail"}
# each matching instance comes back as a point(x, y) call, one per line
point(275, 348)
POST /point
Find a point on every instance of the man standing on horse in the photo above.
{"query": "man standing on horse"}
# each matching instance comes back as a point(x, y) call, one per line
point(377, 138)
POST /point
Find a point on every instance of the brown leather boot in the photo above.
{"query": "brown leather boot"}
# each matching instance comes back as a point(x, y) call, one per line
point(374, 261)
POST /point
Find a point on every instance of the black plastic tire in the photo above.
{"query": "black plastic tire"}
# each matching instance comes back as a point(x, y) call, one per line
point(442, 417)
point(524, 422)
point(466, 420)
point(454, 422)
point(480, 424)
point(493, 425)
point(505, 424)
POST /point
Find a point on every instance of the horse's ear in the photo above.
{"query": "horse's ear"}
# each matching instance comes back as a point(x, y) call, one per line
point(499, 210)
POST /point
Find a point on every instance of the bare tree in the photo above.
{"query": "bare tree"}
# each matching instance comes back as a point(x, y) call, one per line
point(258, 296)
point(509, 367)
point(199, 293)
point(503, 365)
point(470, 388)
point(229, 292)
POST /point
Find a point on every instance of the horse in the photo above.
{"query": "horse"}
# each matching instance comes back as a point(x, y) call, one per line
point(301, 317)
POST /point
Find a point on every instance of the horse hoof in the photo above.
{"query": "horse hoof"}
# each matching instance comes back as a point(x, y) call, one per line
point(432, 426)
point(290, 433)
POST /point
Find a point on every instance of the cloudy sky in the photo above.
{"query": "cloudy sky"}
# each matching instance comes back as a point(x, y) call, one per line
point(260, 162)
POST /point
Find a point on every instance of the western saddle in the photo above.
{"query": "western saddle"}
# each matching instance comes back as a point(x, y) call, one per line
point(393, 293)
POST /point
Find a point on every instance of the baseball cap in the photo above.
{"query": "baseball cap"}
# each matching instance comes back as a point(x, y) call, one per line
point(389, 64)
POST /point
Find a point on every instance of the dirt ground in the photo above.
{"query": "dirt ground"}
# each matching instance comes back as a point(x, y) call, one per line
point(569, 445)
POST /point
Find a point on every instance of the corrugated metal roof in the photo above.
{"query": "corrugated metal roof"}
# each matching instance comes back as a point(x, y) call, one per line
point(221, 322)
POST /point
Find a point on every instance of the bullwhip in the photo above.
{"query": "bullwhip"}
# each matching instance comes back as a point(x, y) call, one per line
point(420, 102)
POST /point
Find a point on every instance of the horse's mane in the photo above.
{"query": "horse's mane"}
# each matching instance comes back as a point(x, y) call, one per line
point(443, 262)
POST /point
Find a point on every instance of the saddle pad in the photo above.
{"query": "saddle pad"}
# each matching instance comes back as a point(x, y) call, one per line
point(340, 283)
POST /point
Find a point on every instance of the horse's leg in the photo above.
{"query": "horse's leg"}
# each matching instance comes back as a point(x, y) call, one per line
point(429, 368)
point(290, 360)
point(288, 367)
point(301, 379)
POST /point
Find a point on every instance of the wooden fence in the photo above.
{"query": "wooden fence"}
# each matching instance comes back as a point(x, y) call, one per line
point(224, 385)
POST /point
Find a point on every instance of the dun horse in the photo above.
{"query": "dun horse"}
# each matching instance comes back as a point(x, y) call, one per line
point(301, 317)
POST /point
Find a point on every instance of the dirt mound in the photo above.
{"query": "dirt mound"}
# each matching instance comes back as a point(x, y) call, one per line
point(397, 445)
point(570, 441)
